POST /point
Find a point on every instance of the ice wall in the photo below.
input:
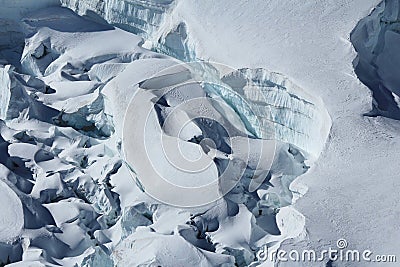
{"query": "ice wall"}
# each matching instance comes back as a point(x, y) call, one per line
point(145, 18)
point(5, 84)
point(175, 43)
point(281, 110)
point(274, 108)
point(302, 121)
point(376, 39)
point(14, 99)
point(141, 17)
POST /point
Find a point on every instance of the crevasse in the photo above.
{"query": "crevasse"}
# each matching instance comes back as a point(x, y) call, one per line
point(376, 38)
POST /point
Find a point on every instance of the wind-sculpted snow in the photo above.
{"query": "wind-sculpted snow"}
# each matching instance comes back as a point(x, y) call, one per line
point(279, 96)
point(376, 40)
point(212, 155)
point(72, 88)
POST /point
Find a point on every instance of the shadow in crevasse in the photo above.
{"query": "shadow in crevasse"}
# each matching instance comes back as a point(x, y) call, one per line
point(65, 20)
point(376, 40)
point(17, 166)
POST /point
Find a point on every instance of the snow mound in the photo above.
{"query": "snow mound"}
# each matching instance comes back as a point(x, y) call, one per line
point(376, 40)
point(154, 249)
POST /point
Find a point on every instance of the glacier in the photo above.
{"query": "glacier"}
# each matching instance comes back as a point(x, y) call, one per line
point(276, 103)
point(70, 153)
point(11, 36)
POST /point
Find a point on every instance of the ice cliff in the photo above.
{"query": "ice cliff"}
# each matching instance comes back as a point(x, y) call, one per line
point(137, 16)
point(376, 39)
point(295, 116)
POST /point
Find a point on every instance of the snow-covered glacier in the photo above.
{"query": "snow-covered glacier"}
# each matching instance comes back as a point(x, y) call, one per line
point(91, 120)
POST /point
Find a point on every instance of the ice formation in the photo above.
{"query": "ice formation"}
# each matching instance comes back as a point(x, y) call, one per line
point(68, 153)
point(296, 116)
point(137, 16)
point(376, 39)
point(149, 19)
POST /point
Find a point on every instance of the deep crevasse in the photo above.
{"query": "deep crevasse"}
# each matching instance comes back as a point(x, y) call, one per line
point(376, 38)
point(260, 97)
point(281, 110)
